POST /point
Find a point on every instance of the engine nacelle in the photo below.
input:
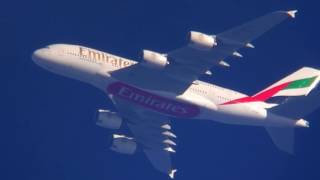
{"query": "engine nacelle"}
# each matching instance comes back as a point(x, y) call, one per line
point(108, 119)
point(202, 40)
point(154, 60)
point(123, 144)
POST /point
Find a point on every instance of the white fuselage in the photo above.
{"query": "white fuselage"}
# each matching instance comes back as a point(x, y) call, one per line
point(200, 101)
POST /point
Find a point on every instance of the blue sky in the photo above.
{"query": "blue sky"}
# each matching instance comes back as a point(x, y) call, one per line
point(48, 128)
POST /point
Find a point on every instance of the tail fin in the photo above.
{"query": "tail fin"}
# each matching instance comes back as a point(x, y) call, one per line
point(299, 83)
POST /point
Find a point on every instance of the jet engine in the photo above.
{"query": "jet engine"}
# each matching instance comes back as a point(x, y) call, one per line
point(108, 119)
point(154, 60)
point(202, 40)
point(123, 144)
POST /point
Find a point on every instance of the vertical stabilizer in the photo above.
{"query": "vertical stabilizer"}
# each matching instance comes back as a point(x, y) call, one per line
point(299, 83)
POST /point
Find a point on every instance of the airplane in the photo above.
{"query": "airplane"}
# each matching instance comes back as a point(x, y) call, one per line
point(162, 87)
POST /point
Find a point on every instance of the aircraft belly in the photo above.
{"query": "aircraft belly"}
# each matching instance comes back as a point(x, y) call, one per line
point(236, 114)
point(248, 117)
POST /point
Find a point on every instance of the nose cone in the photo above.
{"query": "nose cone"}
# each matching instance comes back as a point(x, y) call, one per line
point(42, 57)
point(38, 55)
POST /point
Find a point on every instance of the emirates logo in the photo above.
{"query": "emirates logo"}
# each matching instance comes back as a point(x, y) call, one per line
point(152, 101)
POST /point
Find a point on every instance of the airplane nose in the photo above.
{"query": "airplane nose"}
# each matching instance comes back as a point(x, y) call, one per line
point(37, 55)
point(46, 58)
point(41, 56)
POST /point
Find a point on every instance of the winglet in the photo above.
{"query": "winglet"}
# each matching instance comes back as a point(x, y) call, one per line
point(172, 172)
point(292, 13)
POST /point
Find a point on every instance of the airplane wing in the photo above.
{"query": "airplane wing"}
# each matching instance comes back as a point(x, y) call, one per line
point(152, 132)
point(188, 63)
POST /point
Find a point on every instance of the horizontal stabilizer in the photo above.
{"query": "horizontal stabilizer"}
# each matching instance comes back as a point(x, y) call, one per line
point(298, 107)
point(282, 137)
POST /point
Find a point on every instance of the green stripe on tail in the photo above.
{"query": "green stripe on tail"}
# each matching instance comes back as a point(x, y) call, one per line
point(301, 83)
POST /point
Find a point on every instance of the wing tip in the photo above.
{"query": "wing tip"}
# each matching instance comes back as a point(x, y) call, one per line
point(292, 13)
point(172, 173)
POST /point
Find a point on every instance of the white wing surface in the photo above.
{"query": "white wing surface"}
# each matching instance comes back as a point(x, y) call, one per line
point(152, 132)
point(188, 63)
